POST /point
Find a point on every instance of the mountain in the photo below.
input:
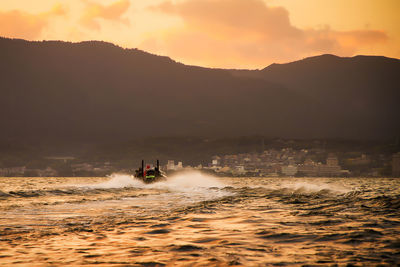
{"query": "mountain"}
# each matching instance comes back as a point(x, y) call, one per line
point(364, 91)
point(360, 94)
point(99, 92)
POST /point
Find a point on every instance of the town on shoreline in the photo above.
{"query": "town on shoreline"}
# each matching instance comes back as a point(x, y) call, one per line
point(290, 161)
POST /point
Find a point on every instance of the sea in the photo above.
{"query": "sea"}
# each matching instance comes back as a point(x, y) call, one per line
point(193, 219)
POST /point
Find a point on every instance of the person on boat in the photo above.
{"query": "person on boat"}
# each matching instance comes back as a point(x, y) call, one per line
point(147, 169)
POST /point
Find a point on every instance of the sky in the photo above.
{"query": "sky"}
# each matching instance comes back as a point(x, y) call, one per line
point(215, 33)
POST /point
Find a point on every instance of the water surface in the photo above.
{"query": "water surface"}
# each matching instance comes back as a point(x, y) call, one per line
point(196, 220)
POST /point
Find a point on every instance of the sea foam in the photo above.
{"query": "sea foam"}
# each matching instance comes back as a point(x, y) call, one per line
point(180, 182)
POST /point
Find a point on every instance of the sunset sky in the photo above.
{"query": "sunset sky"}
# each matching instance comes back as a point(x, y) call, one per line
point(215, 33)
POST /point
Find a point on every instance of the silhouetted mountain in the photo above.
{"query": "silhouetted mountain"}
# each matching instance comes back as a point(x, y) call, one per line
point(96, 91)
point(360, 94)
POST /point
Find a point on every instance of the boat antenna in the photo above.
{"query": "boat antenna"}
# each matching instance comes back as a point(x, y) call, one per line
point(142, 168)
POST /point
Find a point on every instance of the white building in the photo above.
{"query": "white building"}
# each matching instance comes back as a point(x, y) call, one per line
point(171, 165)
point(179, 166)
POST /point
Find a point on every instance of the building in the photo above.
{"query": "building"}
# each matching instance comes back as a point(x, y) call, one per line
point(331, 168)
point(362, 160)
point(179, 166)
point(332, 160)
point(286, 161)
point(14, 171)
point(328, 170)
point(289, 170)
point(216, 161)
point(396, 165)
point(171, 165)
point(309, 168)
point(239, 170)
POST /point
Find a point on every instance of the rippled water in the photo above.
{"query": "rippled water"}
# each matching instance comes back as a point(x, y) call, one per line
point(196, 220)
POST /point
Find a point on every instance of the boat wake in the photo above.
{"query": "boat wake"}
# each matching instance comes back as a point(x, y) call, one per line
point(183, 182)
point(116, 180)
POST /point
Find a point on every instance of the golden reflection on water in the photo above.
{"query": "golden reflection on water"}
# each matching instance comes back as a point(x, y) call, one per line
point(247, 222)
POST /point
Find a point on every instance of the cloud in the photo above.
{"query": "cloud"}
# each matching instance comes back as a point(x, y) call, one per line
point(233, 16)
point(20, 24)
point(224, 33)
point(112, 12)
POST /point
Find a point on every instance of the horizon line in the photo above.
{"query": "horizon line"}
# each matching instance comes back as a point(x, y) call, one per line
point(189, 65)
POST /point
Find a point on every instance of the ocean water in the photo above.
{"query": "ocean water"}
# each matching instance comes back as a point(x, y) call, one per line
point(197, 220)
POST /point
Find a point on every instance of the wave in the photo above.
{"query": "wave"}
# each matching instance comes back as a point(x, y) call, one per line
point(188, 187)
point(189, 181)
point(308, 187)
point(181, 182)
point(116, 181)
point(52, 192)
point(312, 196)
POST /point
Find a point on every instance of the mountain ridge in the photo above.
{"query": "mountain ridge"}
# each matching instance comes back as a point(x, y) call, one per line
point(99, 91)
point(329, 57)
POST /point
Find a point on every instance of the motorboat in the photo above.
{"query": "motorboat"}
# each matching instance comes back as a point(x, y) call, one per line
point(149, 174)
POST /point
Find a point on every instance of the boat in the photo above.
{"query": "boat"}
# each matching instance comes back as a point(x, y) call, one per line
point(149, 174)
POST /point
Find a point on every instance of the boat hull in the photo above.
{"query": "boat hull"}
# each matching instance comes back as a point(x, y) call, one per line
point(150, 180)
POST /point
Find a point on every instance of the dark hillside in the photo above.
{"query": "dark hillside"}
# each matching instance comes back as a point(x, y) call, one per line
point(99, 92)
point(95, 90)
point(361, 94)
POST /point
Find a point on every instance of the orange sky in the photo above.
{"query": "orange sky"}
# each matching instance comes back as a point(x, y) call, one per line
point(215, 33)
